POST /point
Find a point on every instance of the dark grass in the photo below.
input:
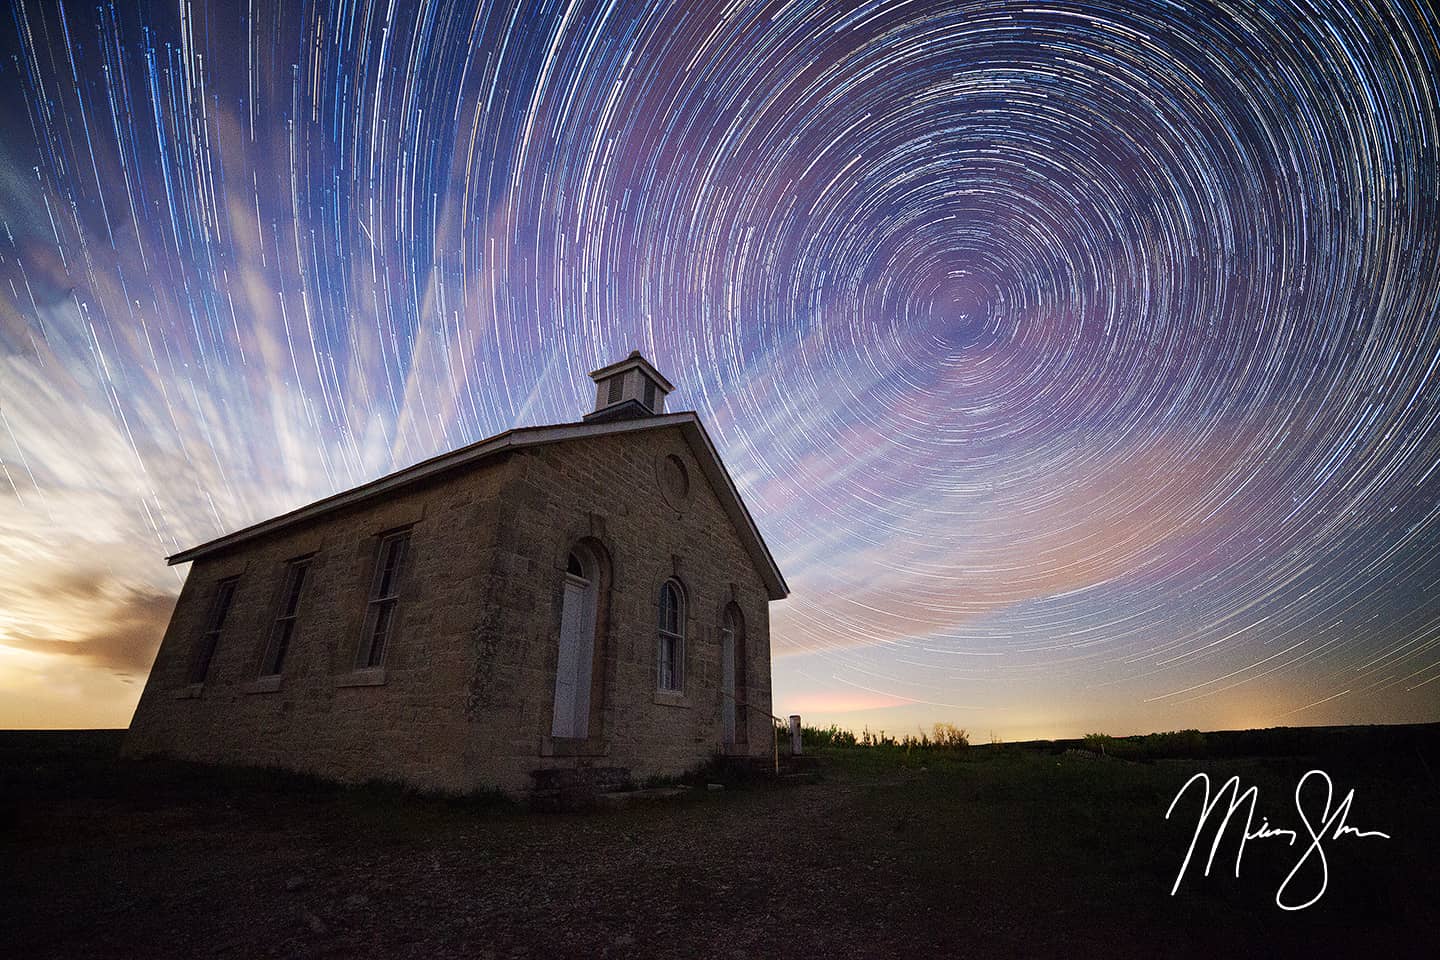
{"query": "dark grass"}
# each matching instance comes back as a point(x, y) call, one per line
point(1017, 850)
point(1090, 831)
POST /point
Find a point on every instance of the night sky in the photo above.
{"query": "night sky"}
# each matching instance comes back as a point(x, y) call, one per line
point(1078, 360)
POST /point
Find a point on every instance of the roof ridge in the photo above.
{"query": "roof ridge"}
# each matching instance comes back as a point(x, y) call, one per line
point(517, 438)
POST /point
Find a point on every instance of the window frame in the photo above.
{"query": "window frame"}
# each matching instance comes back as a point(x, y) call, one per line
point(671, 642)
point(380, 603)
point(732, 622)
point(215, 618)
point(287, 616)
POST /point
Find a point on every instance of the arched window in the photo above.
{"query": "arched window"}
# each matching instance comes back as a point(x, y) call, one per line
point(732, 677)
point(671, 658)
point(574, 666)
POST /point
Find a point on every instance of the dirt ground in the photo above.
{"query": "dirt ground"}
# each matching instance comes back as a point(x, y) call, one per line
point(1019, 855)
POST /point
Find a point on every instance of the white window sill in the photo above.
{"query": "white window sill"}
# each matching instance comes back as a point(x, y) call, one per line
point(264, 684)
point(190, 692)
point(672, 698)
point(369, 677)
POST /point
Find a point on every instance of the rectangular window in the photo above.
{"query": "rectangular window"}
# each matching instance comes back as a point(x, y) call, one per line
point(214, 623)
point(384, 598)
point(650, 394)
point(616, 385)
point(283, 632)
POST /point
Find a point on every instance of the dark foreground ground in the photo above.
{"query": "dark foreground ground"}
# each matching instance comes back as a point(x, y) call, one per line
point(1006, 852)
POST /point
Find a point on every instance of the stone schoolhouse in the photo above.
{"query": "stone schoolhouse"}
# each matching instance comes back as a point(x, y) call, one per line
point(581, 595)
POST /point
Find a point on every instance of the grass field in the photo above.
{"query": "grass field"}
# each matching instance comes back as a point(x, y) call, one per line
point(994, 851)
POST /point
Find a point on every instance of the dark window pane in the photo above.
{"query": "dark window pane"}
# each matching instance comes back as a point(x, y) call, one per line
point(402, 547)
point(297, 583)
point(670, 608)
point(283, 630)
point(672, 664)
point(384, 591)
point(616, 384)
point(392, 559)
point(650, 394)
point(387, 571)
point(223, 596)
point(203, 657)
point(382, 630)
point(219, 609)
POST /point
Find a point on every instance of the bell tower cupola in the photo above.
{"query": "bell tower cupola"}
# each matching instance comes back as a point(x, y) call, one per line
point(630, 388)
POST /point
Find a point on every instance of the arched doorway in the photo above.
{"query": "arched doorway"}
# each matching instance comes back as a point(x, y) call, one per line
point(577, 645)
point(732, 677)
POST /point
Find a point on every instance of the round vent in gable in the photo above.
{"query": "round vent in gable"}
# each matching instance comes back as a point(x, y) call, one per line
point(674, 480)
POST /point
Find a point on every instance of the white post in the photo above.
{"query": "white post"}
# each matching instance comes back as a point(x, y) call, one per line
point(795, 746)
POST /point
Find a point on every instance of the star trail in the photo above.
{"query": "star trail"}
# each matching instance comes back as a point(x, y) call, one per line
point(1077, 359)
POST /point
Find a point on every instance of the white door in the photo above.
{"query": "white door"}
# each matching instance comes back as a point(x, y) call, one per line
point(727, 684)
point(572, 672)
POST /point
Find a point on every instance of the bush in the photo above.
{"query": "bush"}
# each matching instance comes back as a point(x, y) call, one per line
point(1151, 746)
point(943, 736)
point(868, 739)
point(832, 736)
point(950, 737)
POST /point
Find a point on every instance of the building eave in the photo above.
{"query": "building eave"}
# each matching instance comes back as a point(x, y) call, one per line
point(734, 506)
point(521, 438)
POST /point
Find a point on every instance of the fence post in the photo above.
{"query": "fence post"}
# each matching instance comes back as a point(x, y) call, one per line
point(796, 747)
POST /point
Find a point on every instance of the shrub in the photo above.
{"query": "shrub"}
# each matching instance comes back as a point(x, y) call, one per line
point(942, 736)
point(1151, 746)
point(868, 739)
point(831, 736)
point(950, 737)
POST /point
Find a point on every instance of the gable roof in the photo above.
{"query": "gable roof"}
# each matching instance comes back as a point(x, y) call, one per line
point(520, 438)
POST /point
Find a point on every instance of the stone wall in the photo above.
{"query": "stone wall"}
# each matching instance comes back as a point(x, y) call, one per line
point(464, 699)
point(605, 490)
point(404, 722)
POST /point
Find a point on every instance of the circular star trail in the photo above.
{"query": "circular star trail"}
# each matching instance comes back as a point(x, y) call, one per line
point(1077, 359)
